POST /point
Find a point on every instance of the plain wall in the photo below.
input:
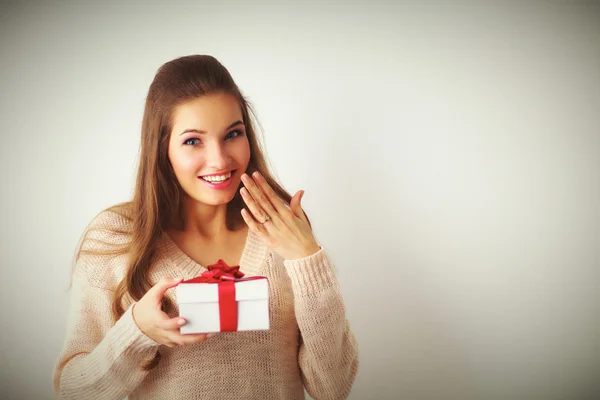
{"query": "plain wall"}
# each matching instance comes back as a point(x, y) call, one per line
point(450, 154)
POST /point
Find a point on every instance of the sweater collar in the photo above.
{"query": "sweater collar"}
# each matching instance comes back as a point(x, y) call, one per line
point(179, 264)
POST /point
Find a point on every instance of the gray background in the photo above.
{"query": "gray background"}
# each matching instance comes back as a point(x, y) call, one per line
point(450, 153)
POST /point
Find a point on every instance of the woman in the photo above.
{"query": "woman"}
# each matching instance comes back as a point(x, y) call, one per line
point(198, 147)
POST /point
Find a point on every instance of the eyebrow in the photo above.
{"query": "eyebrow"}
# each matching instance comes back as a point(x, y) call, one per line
point(204, 132)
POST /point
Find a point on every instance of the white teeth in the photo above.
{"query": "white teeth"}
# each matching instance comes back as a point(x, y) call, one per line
point(217, 178)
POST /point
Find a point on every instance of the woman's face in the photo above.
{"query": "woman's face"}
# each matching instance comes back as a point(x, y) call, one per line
point(209, 138)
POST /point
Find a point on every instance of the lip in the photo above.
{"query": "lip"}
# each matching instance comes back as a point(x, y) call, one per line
point(223, 185)
point(220, 173)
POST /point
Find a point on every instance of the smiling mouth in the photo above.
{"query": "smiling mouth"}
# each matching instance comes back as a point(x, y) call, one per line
point(219, 178)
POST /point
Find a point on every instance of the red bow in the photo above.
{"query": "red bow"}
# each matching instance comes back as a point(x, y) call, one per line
point(218, 272)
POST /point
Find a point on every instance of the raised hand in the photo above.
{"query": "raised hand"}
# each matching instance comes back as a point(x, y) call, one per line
point(285, 230)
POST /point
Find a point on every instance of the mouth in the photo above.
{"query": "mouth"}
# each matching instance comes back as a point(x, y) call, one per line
point(219, 178)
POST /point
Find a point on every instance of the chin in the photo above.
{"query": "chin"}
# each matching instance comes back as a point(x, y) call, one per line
point(214, 200)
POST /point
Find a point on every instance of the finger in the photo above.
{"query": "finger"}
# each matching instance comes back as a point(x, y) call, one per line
point(159, 290)
point(255, 209)
point(193, 339)
point(296, 207)
point(171, 324)
point(260, 197)
point(176, 338)
point(284, 215)
point(274, 199)
point(254, 226)
point(187, 339)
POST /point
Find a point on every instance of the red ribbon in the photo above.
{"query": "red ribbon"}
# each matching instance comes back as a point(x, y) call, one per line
point(225, 277)
point(217, 273)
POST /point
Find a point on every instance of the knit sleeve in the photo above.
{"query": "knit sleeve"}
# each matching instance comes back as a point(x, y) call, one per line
point(328, 354)
point(101, 357)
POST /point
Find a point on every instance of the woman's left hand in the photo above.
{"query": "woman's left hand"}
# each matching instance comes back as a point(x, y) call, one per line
point(286, 230)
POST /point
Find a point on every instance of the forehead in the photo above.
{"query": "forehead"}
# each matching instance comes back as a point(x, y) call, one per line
point(210, 113)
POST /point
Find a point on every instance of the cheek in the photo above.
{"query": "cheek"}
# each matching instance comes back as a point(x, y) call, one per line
point(242, 152)
point(184, 162)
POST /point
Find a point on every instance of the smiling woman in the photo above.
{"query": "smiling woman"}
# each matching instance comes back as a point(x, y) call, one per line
point(216, 155)
point(198, 146)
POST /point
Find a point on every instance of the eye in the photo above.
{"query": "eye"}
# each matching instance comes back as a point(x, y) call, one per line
point(238, 131)
point(187, 142)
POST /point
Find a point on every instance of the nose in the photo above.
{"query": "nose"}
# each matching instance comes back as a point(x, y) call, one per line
point(217, 157)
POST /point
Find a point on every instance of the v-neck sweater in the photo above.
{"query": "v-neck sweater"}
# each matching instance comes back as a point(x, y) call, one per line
point(309, 344)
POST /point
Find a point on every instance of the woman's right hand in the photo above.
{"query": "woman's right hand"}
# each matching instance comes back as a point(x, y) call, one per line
point(156, 324)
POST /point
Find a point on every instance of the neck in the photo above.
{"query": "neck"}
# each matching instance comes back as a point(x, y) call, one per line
point(204, 220)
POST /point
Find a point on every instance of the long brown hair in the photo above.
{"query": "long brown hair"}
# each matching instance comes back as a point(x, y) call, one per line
point(156, 202)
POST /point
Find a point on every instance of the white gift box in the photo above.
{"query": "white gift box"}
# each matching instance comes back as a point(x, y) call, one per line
point(199, 305)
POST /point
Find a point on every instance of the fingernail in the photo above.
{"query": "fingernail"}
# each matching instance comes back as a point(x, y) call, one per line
point(181, 321)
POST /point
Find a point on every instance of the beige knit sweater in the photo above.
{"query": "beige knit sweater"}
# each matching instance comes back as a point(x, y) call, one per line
point(309, 344)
